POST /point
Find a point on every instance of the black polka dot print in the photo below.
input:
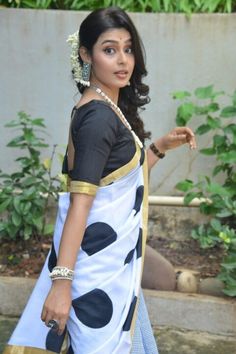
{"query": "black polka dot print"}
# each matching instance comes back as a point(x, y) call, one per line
point(128, 321)
point(138, 199)
point(52, 261)
point(54, 341)
point(129, 257)
point(97, 236)
point(139, 243)
point(94, 309)
point(141, 160)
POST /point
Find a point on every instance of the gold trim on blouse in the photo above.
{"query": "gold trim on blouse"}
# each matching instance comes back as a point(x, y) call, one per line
point(91, 189)
point(81, 187)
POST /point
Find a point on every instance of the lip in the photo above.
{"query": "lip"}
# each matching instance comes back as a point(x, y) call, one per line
point(122, 74)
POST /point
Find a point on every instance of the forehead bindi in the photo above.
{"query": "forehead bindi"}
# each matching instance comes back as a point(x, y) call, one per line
point(119, 36)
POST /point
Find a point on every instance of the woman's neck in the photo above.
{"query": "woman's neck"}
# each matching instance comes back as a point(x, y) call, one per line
point(113, 94)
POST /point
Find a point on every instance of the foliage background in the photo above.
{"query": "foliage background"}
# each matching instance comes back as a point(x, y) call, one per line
point(176, 6)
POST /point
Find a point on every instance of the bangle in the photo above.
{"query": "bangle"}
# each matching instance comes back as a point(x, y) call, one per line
point(61, 273)
point(156, 151)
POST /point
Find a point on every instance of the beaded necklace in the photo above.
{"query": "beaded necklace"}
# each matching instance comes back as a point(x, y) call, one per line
point(119, 112)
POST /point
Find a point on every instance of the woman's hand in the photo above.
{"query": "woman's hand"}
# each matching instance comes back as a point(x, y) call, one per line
point(175, 138)
point(57, 304)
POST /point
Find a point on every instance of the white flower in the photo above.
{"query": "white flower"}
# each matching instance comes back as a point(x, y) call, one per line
point(73, 40)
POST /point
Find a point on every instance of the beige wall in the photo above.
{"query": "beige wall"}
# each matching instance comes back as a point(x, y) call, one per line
point(181, 54)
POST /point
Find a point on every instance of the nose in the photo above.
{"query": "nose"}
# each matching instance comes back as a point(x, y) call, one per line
point(121, 57)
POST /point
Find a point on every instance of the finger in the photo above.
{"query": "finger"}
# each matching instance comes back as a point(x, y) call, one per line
point(192, 142)
point(180, 138)
point(43, 314)
point(184, 130)
point(62, 325)
point(50, 316)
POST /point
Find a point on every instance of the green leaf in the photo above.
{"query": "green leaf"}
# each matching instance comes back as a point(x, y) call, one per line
point(5, 204)
point(16, 218)
point(208, 151)
point(48, 229)
point(202, 129)
point(216, 225)
point(216, 188)
point(184, 185)
point(38, 122)
point(16, 142)
point(219, 140)
point(29, 181)
point(204, 110)
point(230, 292)
point(204, 92)
point(30, 192)
point(214, 123)
point(228, 157)
point(38, 222)
point(213, 107)
point(184, 113)
point(228, 112)
point(189, 197)
point(229, 263)
point(180, 95)
point(27, 232)
point(17, 204)
point(217, 169)
point(224, 214)
point(230, 129)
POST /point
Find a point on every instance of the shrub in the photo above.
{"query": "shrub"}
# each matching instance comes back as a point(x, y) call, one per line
point(221, 203)
point(25, 194)
point(184, 6)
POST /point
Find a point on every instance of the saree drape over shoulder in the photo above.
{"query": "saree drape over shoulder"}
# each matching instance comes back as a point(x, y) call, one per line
point(108, 270)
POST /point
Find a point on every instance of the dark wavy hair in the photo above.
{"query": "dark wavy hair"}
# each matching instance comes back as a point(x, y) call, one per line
point(132, 97)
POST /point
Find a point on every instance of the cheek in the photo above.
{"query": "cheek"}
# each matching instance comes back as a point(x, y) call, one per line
point(102, 62)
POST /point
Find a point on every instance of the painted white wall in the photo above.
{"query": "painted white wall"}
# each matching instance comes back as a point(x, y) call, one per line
point(181, 54)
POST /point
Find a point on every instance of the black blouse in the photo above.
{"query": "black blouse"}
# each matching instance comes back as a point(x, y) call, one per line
point(102, 144)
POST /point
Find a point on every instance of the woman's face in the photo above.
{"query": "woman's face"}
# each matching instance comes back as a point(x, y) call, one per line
point(112, 60)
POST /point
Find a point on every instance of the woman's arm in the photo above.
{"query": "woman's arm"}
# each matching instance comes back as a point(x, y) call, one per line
point(177, 137)
point(58, 302)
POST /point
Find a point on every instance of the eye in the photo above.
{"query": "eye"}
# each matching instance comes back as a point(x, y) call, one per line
point(129, 50)
point(109, 50)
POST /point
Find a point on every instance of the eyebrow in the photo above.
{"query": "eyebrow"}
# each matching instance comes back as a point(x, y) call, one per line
point(115, 42)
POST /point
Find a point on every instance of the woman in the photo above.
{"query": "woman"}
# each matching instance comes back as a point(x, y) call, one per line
point(96, 258)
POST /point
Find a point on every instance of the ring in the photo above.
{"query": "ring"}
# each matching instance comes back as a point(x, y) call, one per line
point(53, 324)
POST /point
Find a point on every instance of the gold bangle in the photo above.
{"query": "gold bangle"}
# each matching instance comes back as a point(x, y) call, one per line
point(155, 150)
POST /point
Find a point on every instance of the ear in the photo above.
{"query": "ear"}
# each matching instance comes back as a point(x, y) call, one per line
point(84, 55)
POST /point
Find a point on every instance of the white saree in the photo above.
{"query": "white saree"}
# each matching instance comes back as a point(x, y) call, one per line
point(105, 288)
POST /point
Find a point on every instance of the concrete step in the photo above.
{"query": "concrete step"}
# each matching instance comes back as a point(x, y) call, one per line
point(195, 312)
point(170, 340)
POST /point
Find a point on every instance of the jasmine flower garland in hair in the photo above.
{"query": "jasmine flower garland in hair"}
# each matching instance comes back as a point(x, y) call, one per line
point(73, 40)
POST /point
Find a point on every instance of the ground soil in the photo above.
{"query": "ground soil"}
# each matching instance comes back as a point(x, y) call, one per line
point(26, 258)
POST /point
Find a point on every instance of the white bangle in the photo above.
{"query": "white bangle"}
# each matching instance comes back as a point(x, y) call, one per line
point(59, 272)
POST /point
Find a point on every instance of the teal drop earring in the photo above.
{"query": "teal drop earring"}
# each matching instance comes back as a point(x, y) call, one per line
point(86, 73)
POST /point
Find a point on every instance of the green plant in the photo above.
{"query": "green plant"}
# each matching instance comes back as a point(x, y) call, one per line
point(181, 6)
point(220, 205)
point(25, 194)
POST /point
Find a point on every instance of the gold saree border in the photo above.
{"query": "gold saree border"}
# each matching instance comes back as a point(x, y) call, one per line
point(17, 349)
point(81, 187)
point(122, 171)
point(91, 189)
point(145, 228)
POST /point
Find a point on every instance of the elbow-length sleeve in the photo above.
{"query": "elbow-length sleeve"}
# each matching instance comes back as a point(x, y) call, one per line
point(93, 134)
